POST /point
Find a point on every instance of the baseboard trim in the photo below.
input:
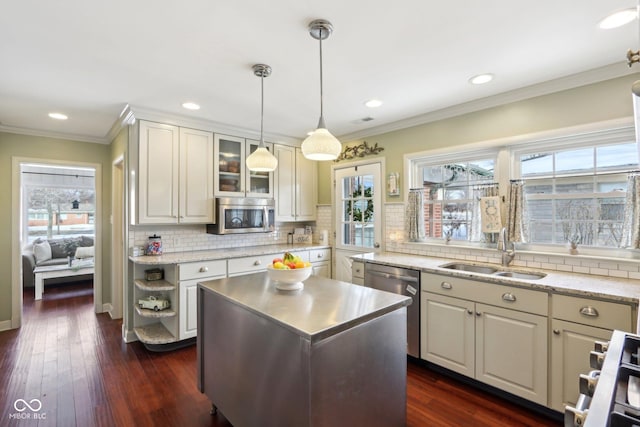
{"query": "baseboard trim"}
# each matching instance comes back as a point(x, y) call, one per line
point(5, 325)
point(129, 336)
point(107, 308)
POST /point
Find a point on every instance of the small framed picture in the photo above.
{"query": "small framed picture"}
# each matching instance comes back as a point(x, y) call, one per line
point(393, 184)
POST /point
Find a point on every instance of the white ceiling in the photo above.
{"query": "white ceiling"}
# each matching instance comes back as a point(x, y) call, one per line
point(90, 59)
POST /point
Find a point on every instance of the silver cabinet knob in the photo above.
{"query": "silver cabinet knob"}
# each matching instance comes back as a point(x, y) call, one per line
point(204, 269)
point(257, 262)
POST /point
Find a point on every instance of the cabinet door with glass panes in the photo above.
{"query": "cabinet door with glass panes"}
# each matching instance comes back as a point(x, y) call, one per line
point(228, 177)
point(258, 184)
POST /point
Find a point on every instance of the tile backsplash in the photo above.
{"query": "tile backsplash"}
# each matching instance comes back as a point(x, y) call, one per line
point(395, 242)
point(177, 238)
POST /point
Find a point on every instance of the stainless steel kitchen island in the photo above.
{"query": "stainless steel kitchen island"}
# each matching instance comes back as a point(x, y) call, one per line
point(330, 354)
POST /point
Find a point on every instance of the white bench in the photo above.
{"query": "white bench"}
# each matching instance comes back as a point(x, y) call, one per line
point(77, 268)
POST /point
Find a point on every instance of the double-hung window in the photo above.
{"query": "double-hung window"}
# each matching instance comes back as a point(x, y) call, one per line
point(575, 192)
point(450, 186)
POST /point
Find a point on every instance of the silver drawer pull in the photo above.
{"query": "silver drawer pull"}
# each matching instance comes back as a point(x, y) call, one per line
point(509, 297)
point(257, 262)
point(204, 269)
point(589, 311)
point(320, 256)
point(446, 285)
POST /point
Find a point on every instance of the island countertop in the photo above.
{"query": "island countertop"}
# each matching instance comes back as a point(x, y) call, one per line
point(322, 308)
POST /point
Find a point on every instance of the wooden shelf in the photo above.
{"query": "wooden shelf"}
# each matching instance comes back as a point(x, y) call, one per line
point(155, 333)
point(145, 312)
point(155, 285)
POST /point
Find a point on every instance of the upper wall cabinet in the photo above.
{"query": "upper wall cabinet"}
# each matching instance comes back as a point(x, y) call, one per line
point(175, 175)
point(231, 176)
point(296, 187)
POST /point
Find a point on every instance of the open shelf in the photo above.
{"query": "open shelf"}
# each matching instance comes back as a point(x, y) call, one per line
point(145, 312)
point(154, 285)
point(155, 333)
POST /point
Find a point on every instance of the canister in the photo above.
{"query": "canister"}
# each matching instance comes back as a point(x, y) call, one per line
point(154, 247)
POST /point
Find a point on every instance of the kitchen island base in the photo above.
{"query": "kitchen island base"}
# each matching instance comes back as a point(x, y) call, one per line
point(259, 372)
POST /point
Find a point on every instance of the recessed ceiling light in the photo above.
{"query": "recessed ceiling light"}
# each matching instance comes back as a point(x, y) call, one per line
point(481, 79)
point(618, 19)
point(191, 106)
point(58, 116)
point(373, 103)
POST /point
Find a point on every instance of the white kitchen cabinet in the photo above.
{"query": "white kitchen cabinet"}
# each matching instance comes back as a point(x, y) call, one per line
point(189, 276)
point(253, 264)
point(495, 334)
point(231, 176)
point(321, 262)
point(295, 188)
point(577, 323)
point(357, 272)
point(175, 171)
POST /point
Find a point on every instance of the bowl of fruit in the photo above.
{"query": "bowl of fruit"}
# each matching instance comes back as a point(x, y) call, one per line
point(289, 272)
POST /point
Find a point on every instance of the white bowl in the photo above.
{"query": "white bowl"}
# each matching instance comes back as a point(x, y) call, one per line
point(289, 280)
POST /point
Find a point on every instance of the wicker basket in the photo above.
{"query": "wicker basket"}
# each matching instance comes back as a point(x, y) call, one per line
point(154, 274)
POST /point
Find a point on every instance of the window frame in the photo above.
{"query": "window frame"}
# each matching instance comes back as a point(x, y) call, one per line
point(507, 167)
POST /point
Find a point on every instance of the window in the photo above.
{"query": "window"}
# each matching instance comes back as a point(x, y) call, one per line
point(451, 192)
point(577, 194)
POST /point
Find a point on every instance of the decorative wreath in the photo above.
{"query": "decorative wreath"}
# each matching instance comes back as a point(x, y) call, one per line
point(353, 210)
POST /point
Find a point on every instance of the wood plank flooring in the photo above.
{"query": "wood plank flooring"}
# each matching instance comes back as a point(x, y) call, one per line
point(77, 365)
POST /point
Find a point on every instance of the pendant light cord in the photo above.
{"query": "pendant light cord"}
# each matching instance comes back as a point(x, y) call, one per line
point(261, 109)
point(321, 79)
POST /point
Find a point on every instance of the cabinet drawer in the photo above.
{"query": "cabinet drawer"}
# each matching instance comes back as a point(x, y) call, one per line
point(202, 269)
point(513, 297)
point(357, 271)
point(250, 264)
point(317, 255)
point(602, 314)
point(516, 298)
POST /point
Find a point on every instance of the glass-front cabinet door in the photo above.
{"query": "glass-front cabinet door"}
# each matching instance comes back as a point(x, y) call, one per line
point(229, 166)
point(258, 184)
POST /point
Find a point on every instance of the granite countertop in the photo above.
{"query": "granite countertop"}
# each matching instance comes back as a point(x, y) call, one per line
point(322, 308)
point(583, 285)
point(226, 253)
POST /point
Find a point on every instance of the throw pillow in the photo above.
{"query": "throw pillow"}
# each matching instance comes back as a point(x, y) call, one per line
point(58, 249)
point(42, 251)
point(84, 252)
point(86, 241)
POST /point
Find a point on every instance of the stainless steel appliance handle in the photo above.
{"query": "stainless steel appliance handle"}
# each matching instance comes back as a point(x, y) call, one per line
point(393, 276)
point(265, 212)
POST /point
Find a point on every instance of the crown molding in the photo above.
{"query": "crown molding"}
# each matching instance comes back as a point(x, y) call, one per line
point(141, 113)
point(56, 135)
point(608, 72)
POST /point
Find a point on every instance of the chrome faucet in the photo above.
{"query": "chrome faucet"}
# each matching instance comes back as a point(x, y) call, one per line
point(507, 255)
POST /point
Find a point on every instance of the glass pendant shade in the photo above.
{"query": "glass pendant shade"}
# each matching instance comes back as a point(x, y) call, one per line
point(321, 146)
point(262, 160)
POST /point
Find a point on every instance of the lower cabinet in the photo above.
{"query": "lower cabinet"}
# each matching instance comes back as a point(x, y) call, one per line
point(501, 346)
point(321, 262)
point(189, 275)
point(576, 324)
point(357, 273)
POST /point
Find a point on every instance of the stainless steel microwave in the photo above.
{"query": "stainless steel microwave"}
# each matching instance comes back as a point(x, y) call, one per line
point(243, 215)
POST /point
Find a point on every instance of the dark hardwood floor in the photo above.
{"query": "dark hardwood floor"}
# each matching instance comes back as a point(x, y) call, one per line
point(75, 363)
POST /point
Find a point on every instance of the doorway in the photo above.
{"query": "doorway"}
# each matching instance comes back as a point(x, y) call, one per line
point(357, 200)
point(70, 210)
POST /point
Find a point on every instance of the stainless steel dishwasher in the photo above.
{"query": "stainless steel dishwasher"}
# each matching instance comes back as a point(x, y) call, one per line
point(404, 282)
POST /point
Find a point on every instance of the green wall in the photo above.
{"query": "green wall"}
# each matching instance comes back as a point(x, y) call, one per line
point(597, 102)
point(13, 145)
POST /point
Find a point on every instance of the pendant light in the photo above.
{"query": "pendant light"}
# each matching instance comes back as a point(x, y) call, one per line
point(321, 145)
point(261, 160)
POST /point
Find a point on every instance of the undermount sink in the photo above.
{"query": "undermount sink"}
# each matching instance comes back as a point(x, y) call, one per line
point(520, 275)
point(470, 267)
point(484, 269)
